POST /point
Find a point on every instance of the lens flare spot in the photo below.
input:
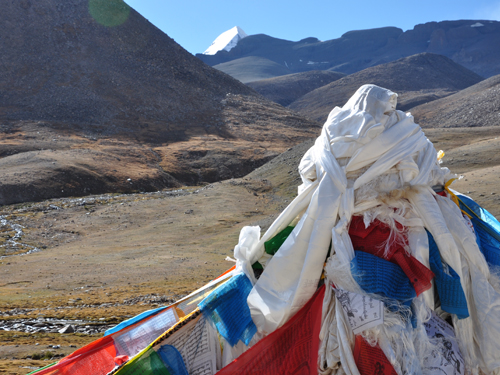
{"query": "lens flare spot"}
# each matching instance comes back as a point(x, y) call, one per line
point(109, 12)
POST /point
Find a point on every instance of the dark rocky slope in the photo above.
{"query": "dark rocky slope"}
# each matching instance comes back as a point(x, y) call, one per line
point(94, 98)
point(101, 67)
point(477, 105)
point(286, 89)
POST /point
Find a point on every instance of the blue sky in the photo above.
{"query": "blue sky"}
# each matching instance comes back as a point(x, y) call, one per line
point(194, 24)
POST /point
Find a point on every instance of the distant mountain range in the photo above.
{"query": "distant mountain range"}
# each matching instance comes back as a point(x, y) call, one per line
point(432, 61)
point(471, 43)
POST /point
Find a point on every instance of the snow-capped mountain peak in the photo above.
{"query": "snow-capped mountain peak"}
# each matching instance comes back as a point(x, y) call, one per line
point(226, 41)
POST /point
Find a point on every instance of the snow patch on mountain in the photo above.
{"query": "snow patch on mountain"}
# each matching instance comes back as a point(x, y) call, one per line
point(226, 41)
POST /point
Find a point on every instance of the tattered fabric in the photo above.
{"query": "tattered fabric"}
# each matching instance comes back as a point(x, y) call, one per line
point(373, 240)
point(379, 276)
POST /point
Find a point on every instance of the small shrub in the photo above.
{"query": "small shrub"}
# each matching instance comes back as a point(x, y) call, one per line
point(42, 355)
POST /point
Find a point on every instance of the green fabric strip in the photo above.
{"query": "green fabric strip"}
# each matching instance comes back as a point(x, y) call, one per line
point(150, 363)
point(273, 245)
point(42, 368)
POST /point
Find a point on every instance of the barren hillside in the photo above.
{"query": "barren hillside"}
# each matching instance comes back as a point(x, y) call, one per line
point(478, 105)
point(288, 88)
point(417, 79)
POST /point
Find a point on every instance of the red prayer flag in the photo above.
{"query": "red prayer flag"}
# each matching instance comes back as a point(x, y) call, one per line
point(291, 349)
point(371, 360)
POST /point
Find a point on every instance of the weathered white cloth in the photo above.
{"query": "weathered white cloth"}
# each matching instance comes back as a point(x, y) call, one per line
point(368, 139)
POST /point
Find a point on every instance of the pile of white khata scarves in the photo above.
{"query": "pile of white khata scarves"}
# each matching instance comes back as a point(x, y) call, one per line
point(372, 160)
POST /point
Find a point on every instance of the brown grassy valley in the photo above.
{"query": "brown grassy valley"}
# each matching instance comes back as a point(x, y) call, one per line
point(104, 258)
point(127, 177)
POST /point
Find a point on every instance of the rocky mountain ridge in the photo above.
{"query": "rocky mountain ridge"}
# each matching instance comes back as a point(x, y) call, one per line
point(66, 62)
point(471, 43)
